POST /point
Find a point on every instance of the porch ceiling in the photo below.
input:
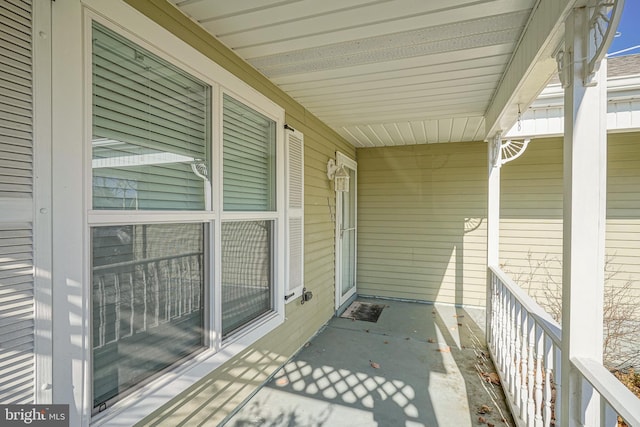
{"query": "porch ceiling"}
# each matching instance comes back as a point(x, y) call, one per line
point(379, 72)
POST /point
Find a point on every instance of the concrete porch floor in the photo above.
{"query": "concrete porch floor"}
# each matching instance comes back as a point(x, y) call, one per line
point(419, 365)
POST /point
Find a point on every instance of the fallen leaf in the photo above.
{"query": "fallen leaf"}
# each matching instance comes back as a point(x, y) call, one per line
point(386, 342)
point(307, 344)
point(482, 420)
point(445, 349)
point(282, 381)
point(431, 340)
point(374, 365)
point(491, 377)
point(484, 409)
point(407, 338)
point(491, 425)
point(433, 312)
point(459, 324)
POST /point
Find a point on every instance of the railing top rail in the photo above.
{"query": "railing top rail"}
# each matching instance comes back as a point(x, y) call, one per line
point(546, 322)
point(621, 399)
point(144, 261)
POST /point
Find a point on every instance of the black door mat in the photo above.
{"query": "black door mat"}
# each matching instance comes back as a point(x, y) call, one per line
point(366, 311)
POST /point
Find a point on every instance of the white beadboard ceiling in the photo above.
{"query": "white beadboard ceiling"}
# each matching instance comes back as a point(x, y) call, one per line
point(379, 72)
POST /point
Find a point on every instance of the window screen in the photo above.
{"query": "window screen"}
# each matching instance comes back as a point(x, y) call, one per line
point(148, 302)
point(151, 125)
point(249, 158)
point(246, 272)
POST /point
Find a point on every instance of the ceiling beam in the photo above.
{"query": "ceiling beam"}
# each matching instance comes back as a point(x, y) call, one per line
point(531, 65)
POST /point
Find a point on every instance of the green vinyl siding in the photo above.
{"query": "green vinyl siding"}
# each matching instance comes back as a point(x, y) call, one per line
point(531, 215)
point(214, 397)
point(421, 225)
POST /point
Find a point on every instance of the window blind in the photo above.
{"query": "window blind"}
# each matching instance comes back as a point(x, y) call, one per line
point(151, 129)
point(249, 158)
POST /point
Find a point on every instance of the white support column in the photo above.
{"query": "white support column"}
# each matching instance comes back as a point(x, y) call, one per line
point(493, 202)
point(493, 218)
point(585, 168)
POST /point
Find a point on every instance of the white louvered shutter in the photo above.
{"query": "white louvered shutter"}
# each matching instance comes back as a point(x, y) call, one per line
point(16, 189)
point(295, 214)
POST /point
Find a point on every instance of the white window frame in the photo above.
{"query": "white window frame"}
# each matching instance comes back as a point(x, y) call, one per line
point(74, 381)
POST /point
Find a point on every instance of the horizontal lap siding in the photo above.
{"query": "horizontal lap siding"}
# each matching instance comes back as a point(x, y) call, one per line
point(422, 233)
point(531, 215)
point(215, 396)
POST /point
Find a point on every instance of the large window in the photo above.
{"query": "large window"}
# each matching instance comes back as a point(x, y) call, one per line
point(249, 161)
point(186, 230)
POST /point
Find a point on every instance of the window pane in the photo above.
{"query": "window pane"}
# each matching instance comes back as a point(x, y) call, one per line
point(249, 158)
point(148, 302)
point(246, 272)
point(150, 129)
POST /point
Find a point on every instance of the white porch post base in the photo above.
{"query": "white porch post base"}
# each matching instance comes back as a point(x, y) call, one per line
point(585, 168)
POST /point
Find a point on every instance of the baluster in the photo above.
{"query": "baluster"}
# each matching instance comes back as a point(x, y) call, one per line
point(491, 305)
point(506, 339)
point(101, 312)
point(167, 288)
point(189, 307)
point(517, 368)
point(557, 380)
point(181, 299)
point(538, 404)
point(530, 370)
point(524, 362)
point(512, 344)
point(500, 332)
point(131, 304)
point(116, 306)
point(549, 373)
point(144, 296)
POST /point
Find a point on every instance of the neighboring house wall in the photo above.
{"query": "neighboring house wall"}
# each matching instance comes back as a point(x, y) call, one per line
point(422, 226)
point(531, 214)
point(215, 396)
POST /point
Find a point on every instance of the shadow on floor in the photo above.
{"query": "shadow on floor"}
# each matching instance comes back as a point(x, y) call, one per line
point(419, 365)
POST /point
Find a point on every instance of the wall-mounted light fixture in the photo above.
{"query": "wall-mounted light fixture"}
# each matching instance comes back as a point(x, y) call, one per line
point(339, 176)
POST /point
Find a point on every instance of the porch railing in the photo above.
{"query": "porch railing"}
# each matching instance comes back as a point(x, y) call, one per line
point(526, 346)
point(135, 296)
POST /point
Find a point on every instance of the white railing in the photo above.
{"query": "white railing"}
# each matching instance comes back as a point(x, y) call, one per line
point(525, 344)
point(132, 297)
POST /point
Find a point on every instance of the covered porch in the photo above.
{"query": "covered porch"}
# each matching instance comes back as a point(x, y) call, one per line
point(417, 365)
point(172, 164)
